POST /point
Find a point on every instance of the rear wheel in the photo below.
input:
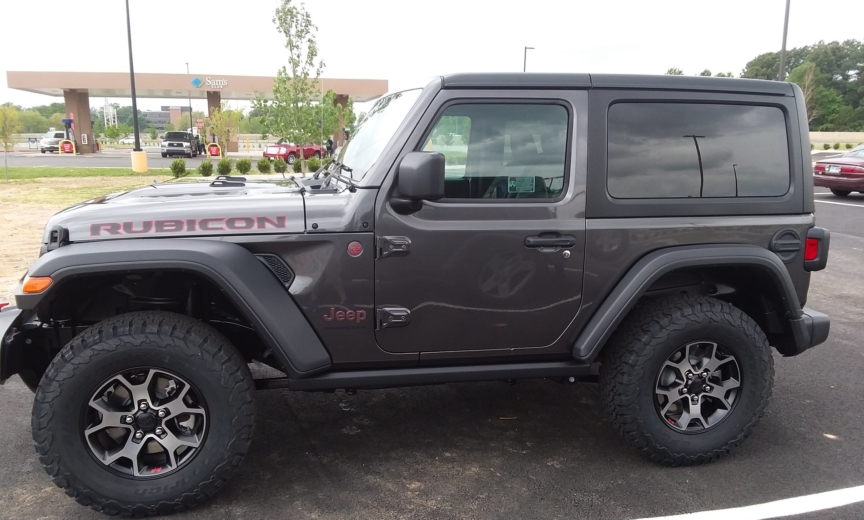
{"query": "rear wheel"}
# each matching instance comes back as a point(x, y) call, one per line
point(318, 155)
point(145, 413)
point(840, 193)
point(685, 379)
point(291, 158)
point(164, 155)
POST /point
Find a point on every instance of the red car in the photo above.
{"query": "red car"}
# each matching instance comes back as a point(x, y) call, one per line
point(289, 152)
point(842, 175)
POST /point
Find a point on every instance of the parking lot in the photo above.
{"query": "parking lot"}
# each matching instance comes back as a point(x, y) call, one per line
point(536, 449)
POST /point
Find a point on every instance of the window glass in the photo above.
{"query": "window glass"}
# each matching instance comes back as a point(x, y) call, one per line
point(502, 151)
point(682, 150)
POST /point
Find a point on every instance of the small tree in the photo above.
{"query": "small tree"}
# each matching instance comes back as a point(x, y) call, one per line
point(223, 123)
point(169, 127)
point(675, 72)
point(112, 132)
point(153, 133)
point(705, 72)
point(8, 130)
point(280, 166)
point(224, 166)
point(205, 169)
point(297, 167)
point(244, 165)
point(313, 164)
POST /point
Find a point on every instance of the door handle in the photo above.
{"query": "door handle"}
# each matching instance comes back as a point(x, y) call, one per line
point(550, 241)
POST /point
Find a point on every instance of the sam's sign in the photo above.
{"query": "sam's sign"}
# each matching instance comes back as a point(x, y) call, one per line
point(210, 82)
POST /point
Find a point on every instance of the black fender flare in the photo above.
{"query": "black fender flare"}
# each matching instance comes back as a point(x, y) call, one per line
point(247, 282)
point(652, 266)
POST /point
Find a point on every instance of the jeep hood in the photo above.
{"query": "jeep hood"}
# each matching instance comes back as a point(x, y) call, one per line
point(185, 209)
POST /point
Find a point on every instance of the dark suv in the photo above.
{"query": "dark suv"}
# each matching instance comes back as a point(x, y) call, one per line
point(179, 143)
point(652, 234)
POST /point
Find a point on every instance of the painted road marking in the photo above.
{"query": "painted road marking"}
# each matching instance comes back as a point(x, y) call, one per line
point(780, 508)
point(840, 203)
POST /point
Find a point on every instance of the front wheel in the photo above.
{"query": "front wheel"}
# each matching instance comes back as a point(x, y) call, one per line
point(164, 155)
point(317, 155)
point(840, 193)
point(685, 379)
point(291, 158)
point(145, 413)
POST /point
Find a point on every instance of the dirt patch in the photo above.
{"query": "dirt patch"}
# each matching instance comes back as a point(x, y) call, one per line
point(27, 205)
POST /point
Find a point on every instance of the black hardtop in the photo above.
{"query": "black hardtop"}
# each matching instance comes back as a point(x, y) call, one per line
point(528, 80)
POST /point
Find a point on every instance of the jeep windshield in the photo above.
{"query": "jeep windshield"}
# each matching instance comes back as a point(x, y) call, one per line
point(177, 136)
point(374, 132)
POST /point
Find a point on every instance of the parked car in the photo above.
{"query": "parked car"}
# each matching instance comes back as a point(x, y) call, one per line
point(179, 143)
point(129, 139)
point(289, 152)
point(842, 175)
point(50, 142)
point(586, 241)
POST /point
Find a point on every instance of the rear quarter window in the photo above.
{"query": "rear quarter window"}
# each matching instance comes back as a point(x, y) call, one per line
point(692, 150)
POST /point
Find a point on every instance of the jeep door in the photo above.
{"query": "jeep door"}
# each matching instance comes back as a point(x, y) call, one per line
point(495, 265)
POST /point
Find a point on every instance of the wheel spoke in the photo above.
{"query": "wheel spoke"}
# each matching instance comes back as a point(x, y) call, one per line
point(110, 418)
point(129, 451)
point(696, 413)
point(138, 392)
point(714, 364)
point(672, 398)
point(171, 442)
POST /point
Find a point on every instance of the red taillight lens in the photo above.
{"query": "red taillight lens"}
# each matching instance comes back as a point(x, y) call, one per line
point(819, 167)
point(811, 249)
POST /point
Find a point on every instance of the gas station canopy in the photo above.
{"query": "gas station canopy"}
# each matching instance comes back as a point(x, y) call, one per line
point(116, 85)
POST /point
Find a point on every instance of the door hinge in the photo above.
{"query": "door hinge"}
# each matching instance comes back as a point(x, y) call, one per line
point(389, 246)
point(392, 317)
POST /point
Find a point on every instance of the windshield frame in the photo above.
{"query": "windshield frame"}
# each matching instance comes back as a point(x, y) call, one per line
point(360, 174)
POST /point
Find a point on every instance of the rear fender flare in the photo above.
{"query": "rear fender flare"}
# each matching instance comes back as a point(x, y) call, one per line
point(247, 282)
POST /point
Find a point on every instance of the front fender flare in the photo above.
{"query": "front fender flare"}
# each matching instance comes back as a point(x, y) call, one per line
point(246, 281)
point(652, 266)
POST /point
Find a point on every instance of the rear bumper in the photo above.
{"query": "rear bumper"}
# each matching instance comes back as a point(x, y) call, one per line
point(839, 183)
point(809, 330)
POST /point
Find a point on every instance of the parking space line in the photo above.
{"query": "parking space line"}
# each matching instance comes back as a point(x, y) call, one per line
point(779, 508)
point(840, 203)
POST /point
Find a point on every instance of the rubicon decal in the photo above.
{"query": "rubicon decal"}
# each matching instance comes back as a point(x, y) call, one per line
point(191, 225)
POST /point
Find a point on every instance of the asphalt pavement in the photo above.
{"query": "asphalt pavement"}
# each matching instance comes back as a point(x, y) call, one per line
point(536, 449)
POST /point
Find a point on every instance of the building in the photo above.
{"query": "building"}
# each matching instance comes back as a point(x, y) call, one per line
point(159, 118)
point(77, 87)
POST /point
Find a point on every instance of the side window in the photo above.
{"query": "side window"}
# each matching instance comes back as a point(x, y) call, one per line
point(502, 151)
point(688, 150)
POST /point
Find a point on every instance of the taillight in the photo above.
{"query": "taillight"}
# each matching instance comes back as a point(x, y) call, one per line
point(811, 249)
point(819, 167)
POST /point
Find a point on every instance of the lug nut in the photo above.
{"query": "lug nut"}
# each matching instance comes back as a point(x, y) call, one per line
point(159, 430)
point(704, 375)
point(142, 406)
point(708, 388)
point(128, 419)
point(682, 391)
point(161, 413)
point(139, 434)
point(689, 376)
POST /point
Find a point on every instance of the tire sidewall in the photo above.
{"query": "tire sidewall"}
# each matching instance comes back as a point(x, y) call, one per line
point(755, 384)
point(74, 454)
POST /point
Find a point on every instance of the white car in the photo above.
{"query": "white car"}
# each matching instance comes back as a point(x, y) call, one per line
point(50, 142)
point(130, 139)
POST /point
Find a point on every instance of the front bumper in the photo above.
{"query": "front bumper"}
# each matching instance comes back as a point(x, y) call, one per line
point(176, 150)
point(809, 330)
point(8, 315)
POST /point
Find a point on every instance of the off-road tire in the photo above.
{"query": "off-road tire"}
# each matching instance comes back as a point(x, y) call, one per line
point(840, 193)
point(165, 340)
point(631, 362)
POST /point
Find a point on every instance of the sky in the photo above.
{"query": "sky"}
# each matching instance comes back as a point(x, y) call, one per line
point(408, 42)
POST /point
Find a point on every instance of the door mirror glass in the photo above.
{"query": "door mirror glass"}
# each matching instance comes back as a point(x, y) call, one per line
point(421, 176)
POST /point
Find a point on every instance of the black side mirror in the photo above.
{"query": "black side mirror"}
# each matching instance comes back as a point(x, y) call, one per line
point(420, 176)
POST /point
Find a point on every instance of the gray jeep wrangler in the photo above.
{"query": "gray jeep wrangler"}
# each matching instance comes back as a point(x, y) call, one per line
point(652, 234)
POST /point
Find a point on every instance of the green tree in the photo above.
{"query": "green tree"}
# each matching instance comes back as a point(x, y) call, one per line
point(291, 114)
point(169, 127)
point(705, 72)
point(55, 120)
point(674, 72)
point(49, 110)
point(32, 122)
point(183, 122)
point(724, 75)
point(822, 103)
point(8, 129)
point(112, 132)
point(333, 116)
point(224, 123)
point(153, 133)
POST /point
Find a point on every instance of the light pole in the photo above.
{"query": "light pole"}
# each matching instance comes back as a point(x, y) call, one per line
point(139, 158)
point(190, 103)
point(735, 171)
point(699, 155)
point(525, 58)
point(782, 73)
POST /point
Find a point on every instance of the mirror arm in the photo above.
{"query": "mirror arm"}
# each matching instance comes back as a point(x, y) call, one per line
point(405, 206)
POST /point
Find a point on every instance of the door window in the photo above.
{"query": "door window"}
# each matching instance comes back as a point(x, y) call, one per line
point(502, 151)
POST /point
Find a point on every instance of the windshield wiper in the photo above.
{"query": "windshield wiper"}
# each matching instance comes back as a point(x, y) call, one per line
point(340, 167)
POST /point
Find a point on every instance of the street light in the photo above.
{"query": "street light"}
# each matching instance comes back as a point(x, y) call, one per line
point(782, 73)
point(699, 155)
point(139, 158)
point(190, 101)
point(525, 58)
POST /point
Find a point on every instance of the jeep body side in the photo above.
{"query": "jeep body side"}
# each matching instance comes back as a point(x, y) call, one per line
point(532, 247)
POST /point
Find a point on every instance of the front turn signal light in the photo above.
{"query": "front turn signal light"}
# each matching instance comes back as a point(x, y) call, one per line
point(36, 284)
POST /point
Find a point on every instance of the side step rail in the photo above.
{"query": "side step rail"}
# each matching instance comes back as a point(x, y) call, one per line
point(418, 376)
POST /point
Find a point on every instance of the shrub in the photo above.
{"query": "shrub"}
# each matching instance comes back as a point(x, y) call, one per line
point(178, 168)
point(812, 146)
point(826, 146)
point(848, 146)
point(313, 164)
point(279, 165)
point(298, 166)
point(836, 146)
point(224, 166)
point(205, 169)
point(244, 165)
point(264, 165)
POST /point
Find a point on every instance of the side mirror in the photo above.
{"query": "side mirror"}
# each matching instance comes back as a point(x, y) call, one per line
point(421, 176)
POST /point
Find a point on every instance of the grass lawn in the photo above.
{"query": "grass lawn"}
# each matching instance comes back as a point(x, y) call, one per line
point(29, 172)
